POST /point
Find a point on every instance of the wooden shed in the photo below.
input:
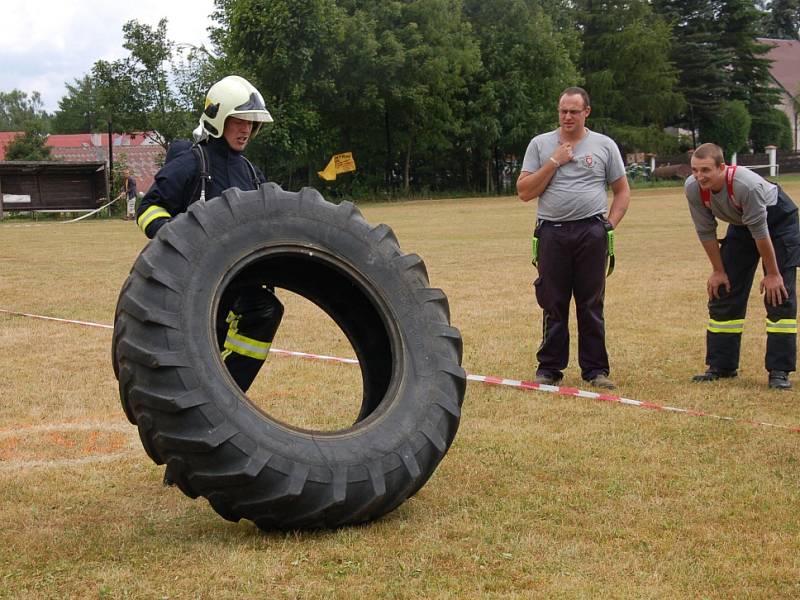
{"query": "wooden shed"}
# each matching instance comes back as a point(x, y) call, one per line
point(52, 186)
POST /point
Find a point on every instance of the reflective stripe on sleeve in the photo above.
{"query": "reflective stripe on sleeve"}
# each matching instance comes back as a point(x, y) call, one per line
point(782, 326)
point(734, 326)
point(151, 214)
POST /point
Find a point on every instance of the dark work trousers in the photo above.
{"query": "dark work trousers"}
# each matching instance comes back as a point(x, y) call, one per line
point(740, 258)
point(247, 320)
point(572, 262)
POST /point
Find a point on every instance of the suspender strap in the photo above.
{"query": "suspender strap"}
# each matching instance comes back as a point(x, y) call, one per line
point(205, 176)
point(253, 174)
point(731, 170)
point(611, 259)
point(705, 195)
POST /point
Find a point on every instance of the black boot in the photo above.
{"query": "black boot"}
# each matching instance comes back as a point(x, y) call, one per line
point(713, 375)
point(779, 380)
point(168, 480)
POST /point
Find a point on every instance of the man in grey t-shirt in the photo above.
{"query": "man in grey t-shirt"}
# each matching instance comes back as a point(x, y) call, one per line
point(763, 224)
point(568, 170)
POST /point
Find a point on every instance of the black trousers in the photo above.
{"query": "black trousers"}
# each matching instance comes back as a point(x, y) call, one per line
point(740, 258)
point(247, 320)
point(572, 263)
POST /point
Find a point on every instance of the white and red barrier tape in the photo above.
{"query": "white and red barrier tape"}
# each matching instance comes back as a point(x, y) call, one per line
point(514, 383)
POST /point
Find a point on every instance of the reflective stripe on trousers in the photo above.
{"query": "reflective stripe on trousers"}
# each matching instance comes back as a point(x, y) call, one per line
point(733, 326)
point(782, 326)
point(241, 344)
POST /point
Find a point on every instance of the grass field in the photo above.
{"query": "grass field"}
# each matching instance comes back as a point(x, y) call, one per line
point(541, 495)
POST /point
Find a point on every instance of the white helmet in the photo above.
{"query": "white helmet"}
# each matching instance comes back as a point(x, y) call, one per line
point(232, 96)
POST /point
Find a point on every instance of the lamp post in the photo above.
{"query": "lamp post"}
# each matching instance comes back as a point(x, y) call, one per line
point(110, 154)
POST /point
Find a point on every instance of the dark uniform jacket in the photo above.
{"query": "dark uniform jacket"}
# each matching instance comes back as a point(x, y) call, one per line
point(177, 183)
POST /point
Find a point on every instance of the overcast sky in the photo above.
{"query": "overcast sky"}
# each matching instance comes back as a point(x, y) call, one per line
point(45, 43)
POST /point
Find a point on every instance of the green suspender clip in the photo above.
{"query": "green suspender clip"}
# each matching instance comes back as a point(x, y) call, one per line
point(610, 240)
point(535, 244)
point(535, 250)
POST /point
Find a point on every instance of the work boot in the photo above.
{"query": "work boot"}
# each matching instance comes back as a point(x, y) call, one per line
point(601, 380)
point(779, 380)
point(168, 480)
point(713, 375)
point(548, 377)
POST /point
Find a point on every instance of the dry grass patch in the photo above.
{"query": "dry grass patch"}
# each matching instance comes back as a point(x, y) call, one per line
point(540, 496)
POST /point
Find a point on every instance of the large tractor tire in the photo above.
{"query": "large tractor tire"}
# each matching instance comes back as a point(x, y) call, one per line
point(216, 443)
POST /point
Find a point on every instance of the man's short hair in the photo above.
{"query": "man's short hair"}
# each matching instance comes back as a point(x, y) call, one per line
point(710, 150)
point(576, 91)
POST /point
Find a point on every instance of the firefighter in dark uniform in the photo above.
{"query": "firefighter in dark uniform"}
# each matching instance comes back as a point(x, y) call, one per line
point(763, 224)
point(234, 111)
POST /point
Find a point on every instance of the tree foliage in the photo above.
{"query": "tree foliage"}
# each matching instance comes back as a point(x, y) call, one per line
point(773, 128)
point(720, 59)
point(525, 63)
point(729, 128)
point(780, 19)
point(626, 65)
point(135, 93)
point(29, 145)
point(79, 111)
point(433, 94)
point(289, 50)
point(159, 87)
point(703, 63)
point(18, 111)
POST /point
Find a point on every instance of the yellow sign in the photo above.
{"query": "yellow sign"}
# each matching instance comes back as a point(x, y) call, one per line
point(339, 163)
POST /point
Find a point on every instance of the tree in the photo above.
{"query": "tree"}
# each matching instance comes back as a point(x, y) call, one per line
point(703, 63)
point(780, 19)
point(423, 91)
point(79, 111)
point(525, 62)
point(628, 72)
point(136, 93)
point(729, 128)
point(773, 129)
point(17, 109)
point(289, 51)
point(30, 145)
point(751, 81)
point(749, 69)
point(383, 78)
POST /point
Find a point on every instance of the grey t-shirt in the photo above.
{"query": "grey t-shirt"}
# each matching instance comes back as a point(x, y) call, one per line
point(578, 188)
point(751, 191)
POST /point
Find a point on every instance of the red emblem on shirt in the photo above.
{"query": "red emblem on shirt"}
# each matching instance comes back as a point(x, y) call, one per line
point(587, 161)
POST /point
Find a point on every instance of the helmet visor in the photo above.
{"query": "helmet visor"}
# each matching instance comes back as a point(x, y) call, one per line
point(252, 110)
point(249, 115)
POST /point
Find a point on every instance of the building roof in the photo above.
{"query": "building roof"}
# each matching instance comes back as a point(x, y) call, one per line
point(101, 139)
point(141, 153)
point(785, 68)
point(15, 167)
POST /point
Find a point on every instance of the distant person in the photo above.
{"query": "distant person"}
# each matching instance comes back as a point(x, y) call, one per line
point(130, 194)
point(763, 224)
point(568, 170)
point(249, 314)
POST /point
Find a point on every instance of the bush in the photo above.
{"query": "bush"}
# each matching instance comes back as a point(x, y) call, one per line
point(771, 128)
point(730, 127)
point(30, 145)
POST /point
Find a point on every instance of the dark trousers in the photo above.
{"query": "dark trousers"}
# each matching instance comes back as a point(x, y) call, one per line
point(740, 258)
point(572, 262)
point(247, 320)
